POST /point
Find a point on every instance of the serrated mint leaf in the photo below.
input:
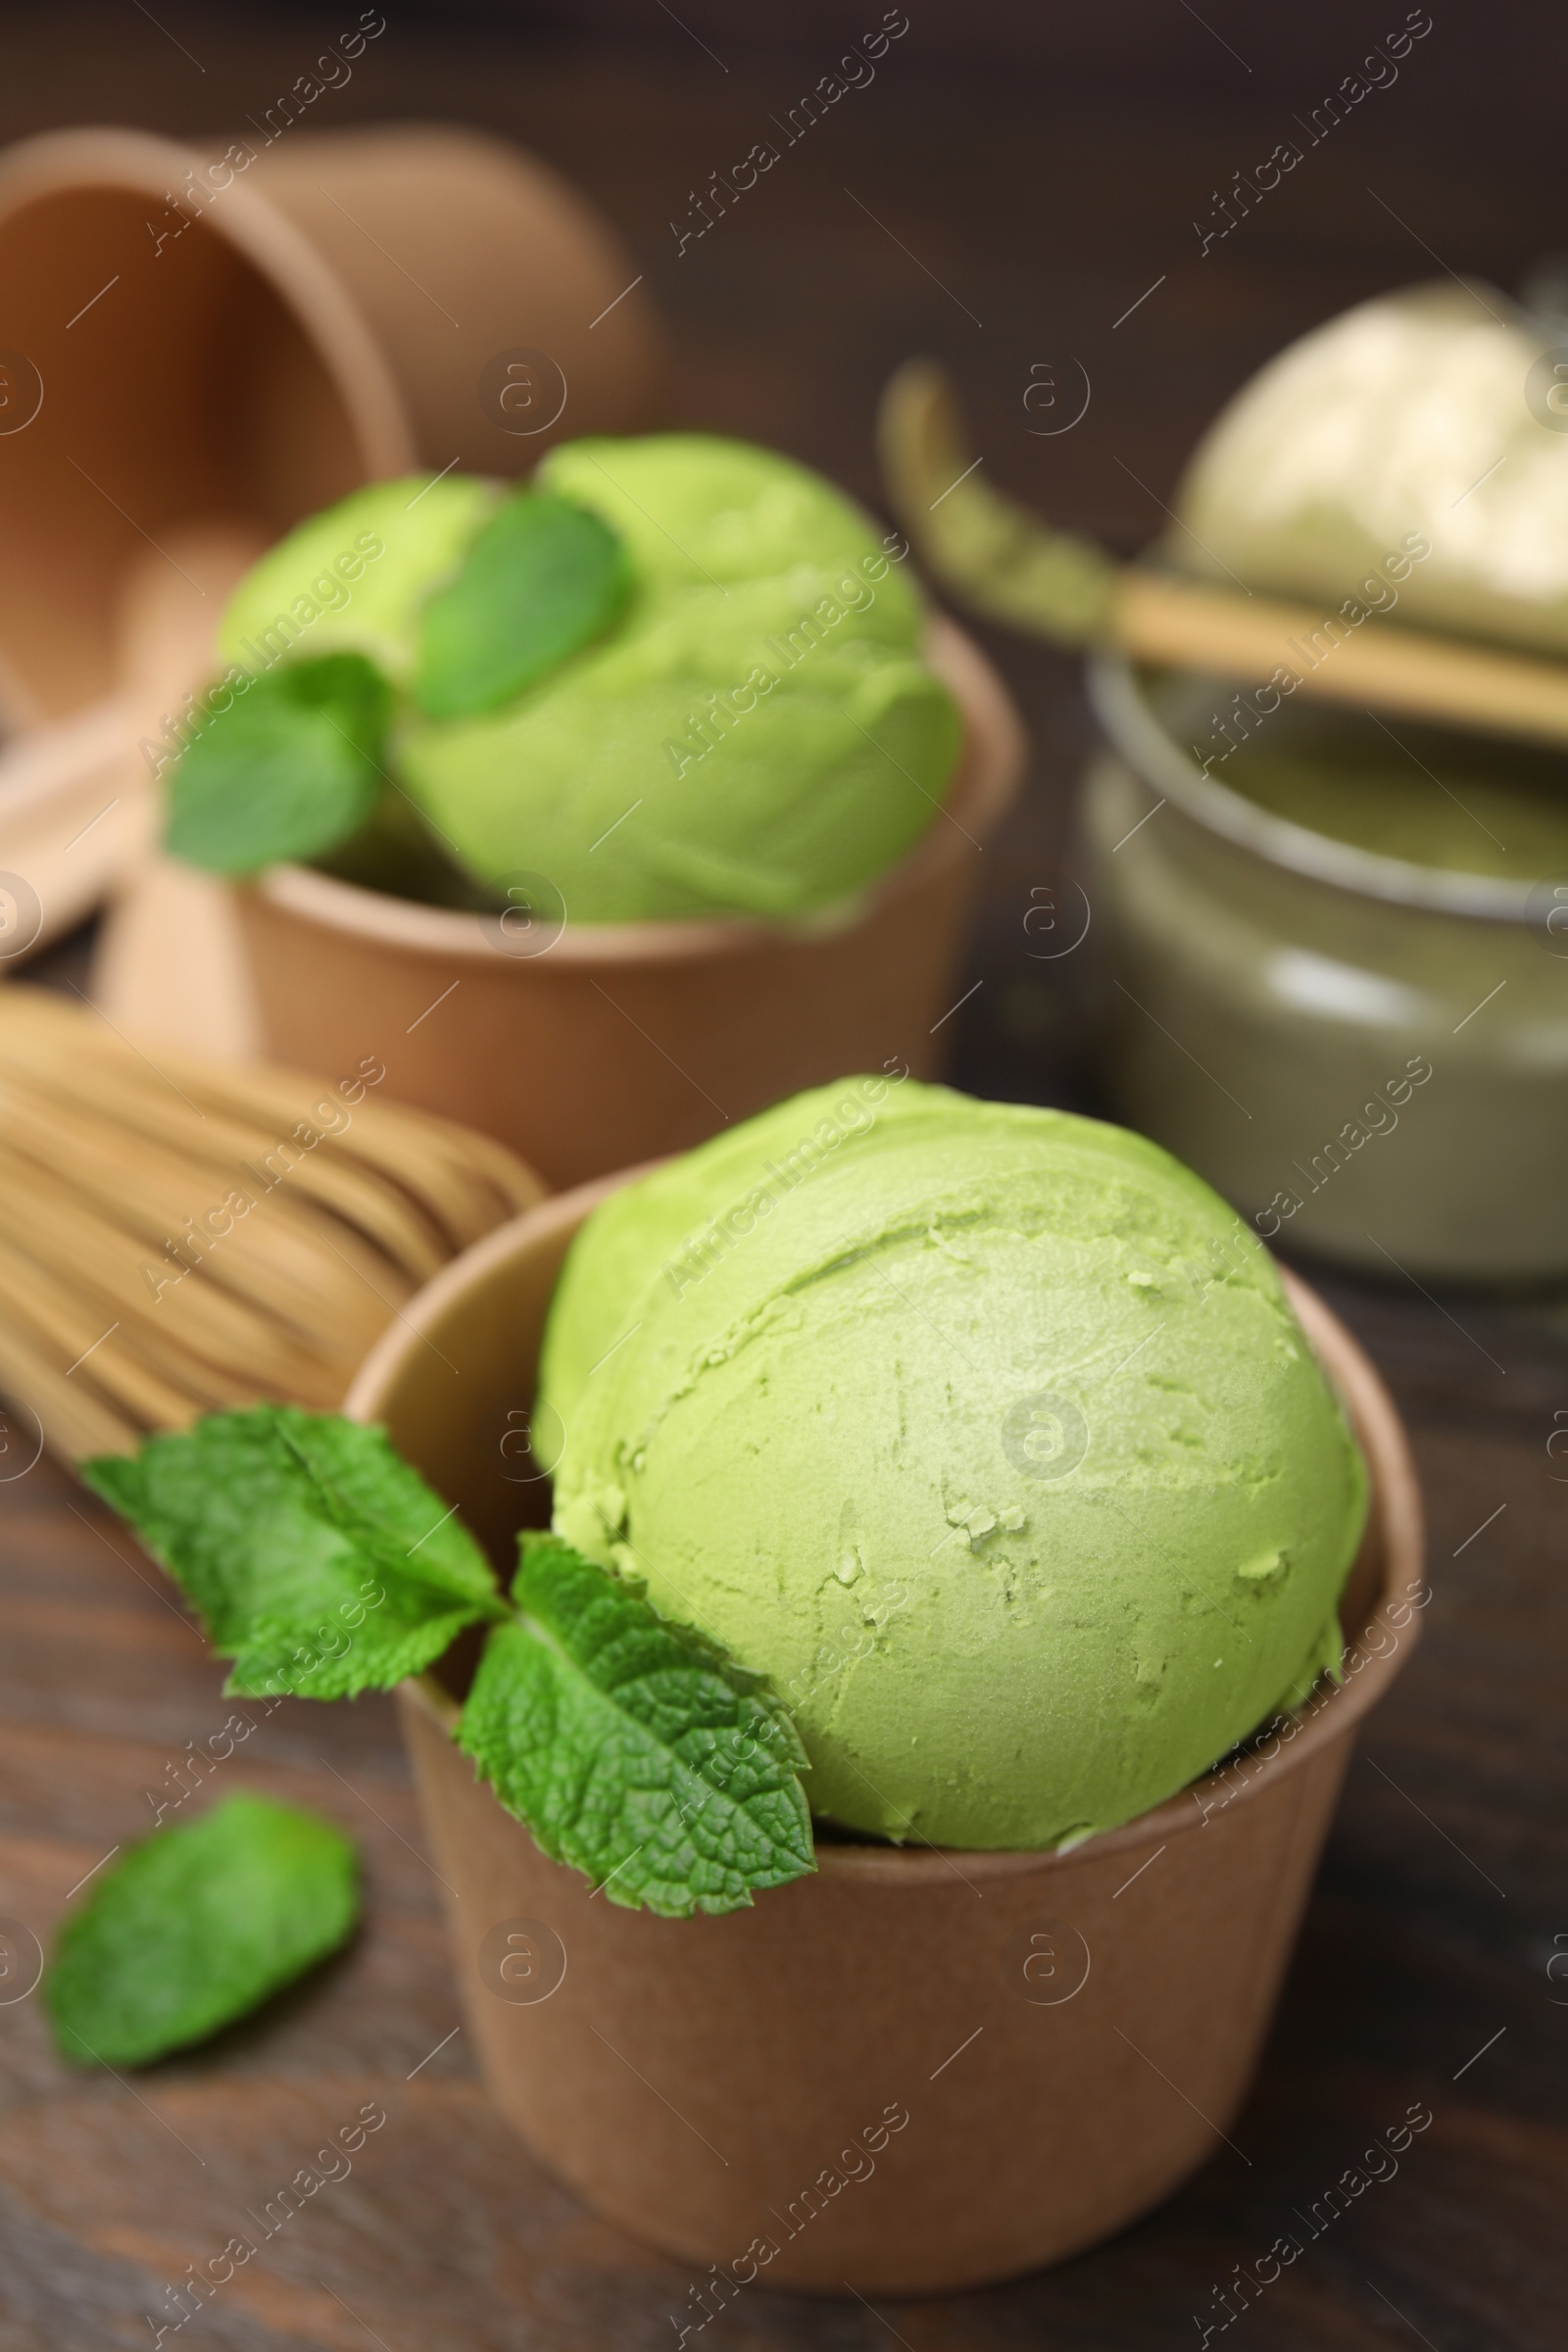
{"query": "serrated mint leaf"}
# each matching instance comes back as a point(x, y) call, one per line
point(633, 1749)
point(544, 578)
point(290, 767)
point(195, 1927)
point(320, 1562)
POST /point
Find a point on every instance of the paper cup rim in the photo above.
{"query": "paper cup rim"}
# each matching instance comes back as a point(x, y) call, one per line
point(324, 304)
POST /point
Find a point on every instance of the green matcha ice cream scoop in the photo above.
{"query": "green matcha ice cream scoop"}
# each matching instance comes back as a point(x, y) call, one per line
point(674, 677)
point(986, 1431)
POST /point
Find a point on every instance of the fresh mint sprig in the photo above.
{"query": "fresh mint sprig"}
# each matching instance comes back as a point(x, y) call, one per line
point(296, 761)
point(633, 1747)
point(544, 578)
point(319, 1562)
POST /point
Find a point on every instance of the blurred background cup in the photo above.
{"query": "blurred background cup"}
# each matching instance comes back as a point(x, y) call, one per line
point(209, 341)
point(585, 1047)
point(1332, 940)
point(1364, 1053)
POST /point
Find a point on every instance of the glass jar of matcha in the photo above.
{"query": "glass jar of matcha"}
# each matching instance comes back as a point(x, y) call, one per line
point(1332, 965)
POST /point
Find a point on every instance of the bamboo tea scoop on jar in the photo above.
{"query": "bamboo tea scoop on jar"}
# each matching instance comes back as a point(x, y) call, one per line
point(1011, 565)
point(177, 1236)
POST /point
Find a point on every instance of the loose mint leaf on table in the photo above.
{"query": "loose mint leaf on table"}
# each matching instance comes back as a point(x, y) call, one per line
point(292, 767)
point(544, 578)
point(633, 1749)
point(195, 1927)
point(320, 1562)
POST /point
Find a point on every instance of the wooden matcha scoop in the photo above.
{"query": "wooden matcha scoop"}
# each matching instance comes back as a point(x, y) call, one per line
point(1008, 562)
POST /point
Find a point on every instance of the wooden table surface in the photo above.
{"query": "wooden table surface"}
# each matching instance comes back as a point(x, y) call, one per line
point(1000, 219)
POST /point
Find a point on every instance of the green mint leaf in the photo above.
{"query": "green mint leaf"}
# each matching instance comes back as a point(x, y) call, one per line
point(633, 1749)
point(291, 767)
point(195, 1927)
point(544, 578)
point(320, 1562)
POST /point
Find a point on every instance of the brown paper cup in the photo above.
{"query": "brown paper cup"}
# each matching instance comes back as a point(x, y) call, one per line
point(917, 2070)
point(196, 345)
point(589, 1047)
point(194, 339)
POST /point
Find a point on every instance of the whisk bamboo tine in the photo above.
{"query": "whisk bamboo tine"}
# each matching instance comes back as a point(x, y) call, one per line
point(428, 1197)
point(74, 1337)
point(274, 1316)
point(143, 1196)
point(138, 1293)
point(289, 1097)
point(195, 1135)
point(222, 1356)
point(60, 1237)
point(452, 1172)
point(77, 1419)
point(173, 1185)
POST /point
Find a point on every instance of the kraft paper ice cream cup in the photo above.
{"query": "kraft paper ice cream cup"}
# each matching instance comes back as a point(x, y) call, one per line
point(588, 1047)
point(206, 337)
point(917, 2070)
point(235, 331)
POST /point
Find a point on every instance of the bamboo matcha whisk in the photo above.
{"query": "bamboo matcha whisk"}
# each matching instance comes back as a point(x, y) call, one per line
point(176, 1235)
point(1008, 562)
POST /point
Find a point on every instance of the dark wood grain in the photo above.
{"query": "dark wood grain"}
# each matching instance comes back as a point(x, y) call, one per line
point(1043, 206)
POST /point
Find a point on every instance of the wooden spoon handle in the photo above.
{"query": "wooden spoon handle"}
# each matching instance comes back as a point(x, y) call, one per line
point(1370, 663)
point(1011, 564)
